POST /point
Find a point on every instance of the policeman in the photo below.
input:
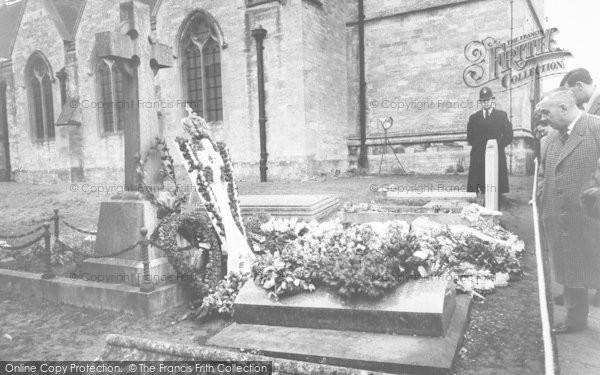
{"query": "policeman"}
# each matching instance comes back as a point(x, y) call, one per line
point(485, 124)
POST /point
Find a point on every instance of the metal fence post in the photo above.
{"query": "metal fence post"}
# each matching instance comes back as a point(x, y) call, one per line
point(146, 285)
point(49, 274)
point(56, 225)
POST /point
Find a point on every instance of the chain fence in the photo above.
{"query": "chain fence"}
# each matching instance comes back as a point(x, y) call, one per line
point(43, 233)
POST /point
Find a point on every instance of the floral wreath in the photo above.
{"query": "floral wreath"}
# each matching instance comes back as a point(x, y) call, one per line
point(196, 127)
point(201, 275)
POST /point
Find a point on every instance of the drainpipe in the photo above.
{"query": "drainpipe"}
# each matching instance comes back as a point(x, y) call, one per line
point(363, 161)
point(4, 124)
point(260, 34)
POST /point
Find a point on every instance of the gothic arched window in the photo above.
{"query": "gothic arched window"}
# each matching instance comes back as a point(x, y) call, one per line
point(39, 87)
point(201, 67)
point(111, 83)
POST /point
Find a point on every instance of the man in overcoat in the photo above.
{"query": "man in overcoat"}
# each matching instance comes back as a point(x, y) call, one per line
point(587, 97)
point(572, 237)
point(488, 123)
point(590, 198)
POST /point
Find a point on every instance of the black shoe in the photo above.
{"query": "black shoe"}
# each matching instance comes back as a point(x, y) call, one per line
point(559, 300)
point(596, 300)
point(562, 329)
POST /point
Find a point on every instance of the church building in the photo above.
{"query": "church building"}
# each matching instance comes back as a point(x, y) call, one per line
point(82, 82)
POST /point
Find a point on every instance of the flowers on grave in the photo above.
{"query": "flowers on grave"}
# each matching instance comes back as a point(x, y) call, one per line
point(197, 128)
point(285, 272)
point(199, 266)
point(360, 260)
point(370, 259)
point(202, 182)
point(169, 198)
point(201, 271)
point(220, 298)
point(228, 177)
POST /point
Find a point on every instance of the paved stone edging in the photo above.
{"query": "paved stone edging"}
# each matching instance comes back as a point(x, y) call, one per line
point(81, 293)
point(127, 348)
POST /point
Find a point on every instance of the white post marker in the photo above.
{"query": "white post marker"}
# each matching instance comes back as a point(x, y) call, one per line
point(491, 175)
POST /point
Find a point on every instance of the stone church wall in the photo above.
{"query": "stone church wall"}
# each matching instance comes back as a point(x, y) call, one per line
point(414, 67)
point(414, 72)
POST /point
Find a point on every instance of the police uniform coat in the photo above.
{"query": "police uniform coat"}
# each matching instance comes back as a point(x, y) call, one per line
point(572, 237)
point(479, 131)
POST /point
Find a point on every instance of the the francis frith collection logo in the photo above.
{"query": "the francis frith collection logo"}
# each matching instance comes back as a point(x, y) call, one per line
point(515, 61)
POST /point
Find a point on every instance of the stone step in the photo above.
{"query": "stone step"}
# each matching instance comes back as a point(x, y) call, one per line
point(399, 354)
point(306, 207)
point(421, 308)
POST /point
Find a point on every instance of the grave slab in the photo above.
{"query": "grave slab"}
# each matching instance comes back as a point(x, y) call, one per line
point(448, 204)
point(415, 308)
point(414, 197)
point(305, 207)
point(409, 217)
point(400, 354)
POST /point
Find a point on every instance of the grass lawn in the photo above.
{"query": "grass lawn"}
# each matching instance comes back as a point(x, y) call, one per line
point(504, 334)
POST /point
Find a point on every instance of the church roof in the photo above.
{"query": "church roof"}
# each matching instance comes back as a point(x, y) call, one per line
point(70, 12)
point(151, 4)
point(66, 15)
point(10, 19)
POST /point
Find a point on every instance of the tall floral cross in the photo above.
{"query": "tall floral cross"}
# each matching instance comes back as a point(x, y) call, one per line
point(195, 125)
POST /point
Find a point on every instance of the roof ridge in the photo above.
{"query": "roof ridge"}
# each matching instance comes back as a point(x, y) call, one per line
point(13, 29)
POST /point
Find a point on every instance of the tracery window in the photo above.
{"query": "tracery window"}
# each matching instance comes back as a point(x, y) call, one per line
point(201, 67)
point(39, 87)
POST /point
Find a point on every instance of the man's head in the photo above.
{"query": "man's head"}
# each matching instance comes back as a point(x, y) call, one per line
point(580, 82)
point(540, 126)
point(558, 108)
point(486, 98)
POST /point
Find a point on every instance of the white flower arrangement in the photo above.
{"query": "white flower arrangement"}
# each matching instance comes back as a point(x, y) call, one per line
point(440, 250)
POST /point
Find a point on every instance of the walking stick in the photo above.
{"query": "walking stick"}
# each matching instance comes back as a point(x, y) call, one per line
point(550, 353)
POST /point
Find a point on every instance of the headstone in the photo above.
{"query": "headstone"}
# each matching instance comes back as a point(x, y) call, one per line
point(118, 228)
point(304, 207)
point(122, 217)
point(491, 175)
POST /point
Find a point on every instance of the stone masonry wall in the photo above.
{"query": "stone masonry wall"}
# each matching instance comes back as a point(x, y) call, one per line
point(284, 82)
point(103, 153)
point(311, 84)
point(325, 67)
point(414, 73)
point(31, 160)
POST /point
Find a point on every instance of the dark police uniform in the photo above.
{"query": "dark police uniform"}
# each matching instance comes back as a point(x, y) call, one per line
point(485, 125)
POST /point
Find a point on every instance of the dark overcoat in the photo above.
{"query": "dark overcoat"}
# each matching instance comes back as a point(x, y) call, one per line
point(479, 131)
point(572, 237)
